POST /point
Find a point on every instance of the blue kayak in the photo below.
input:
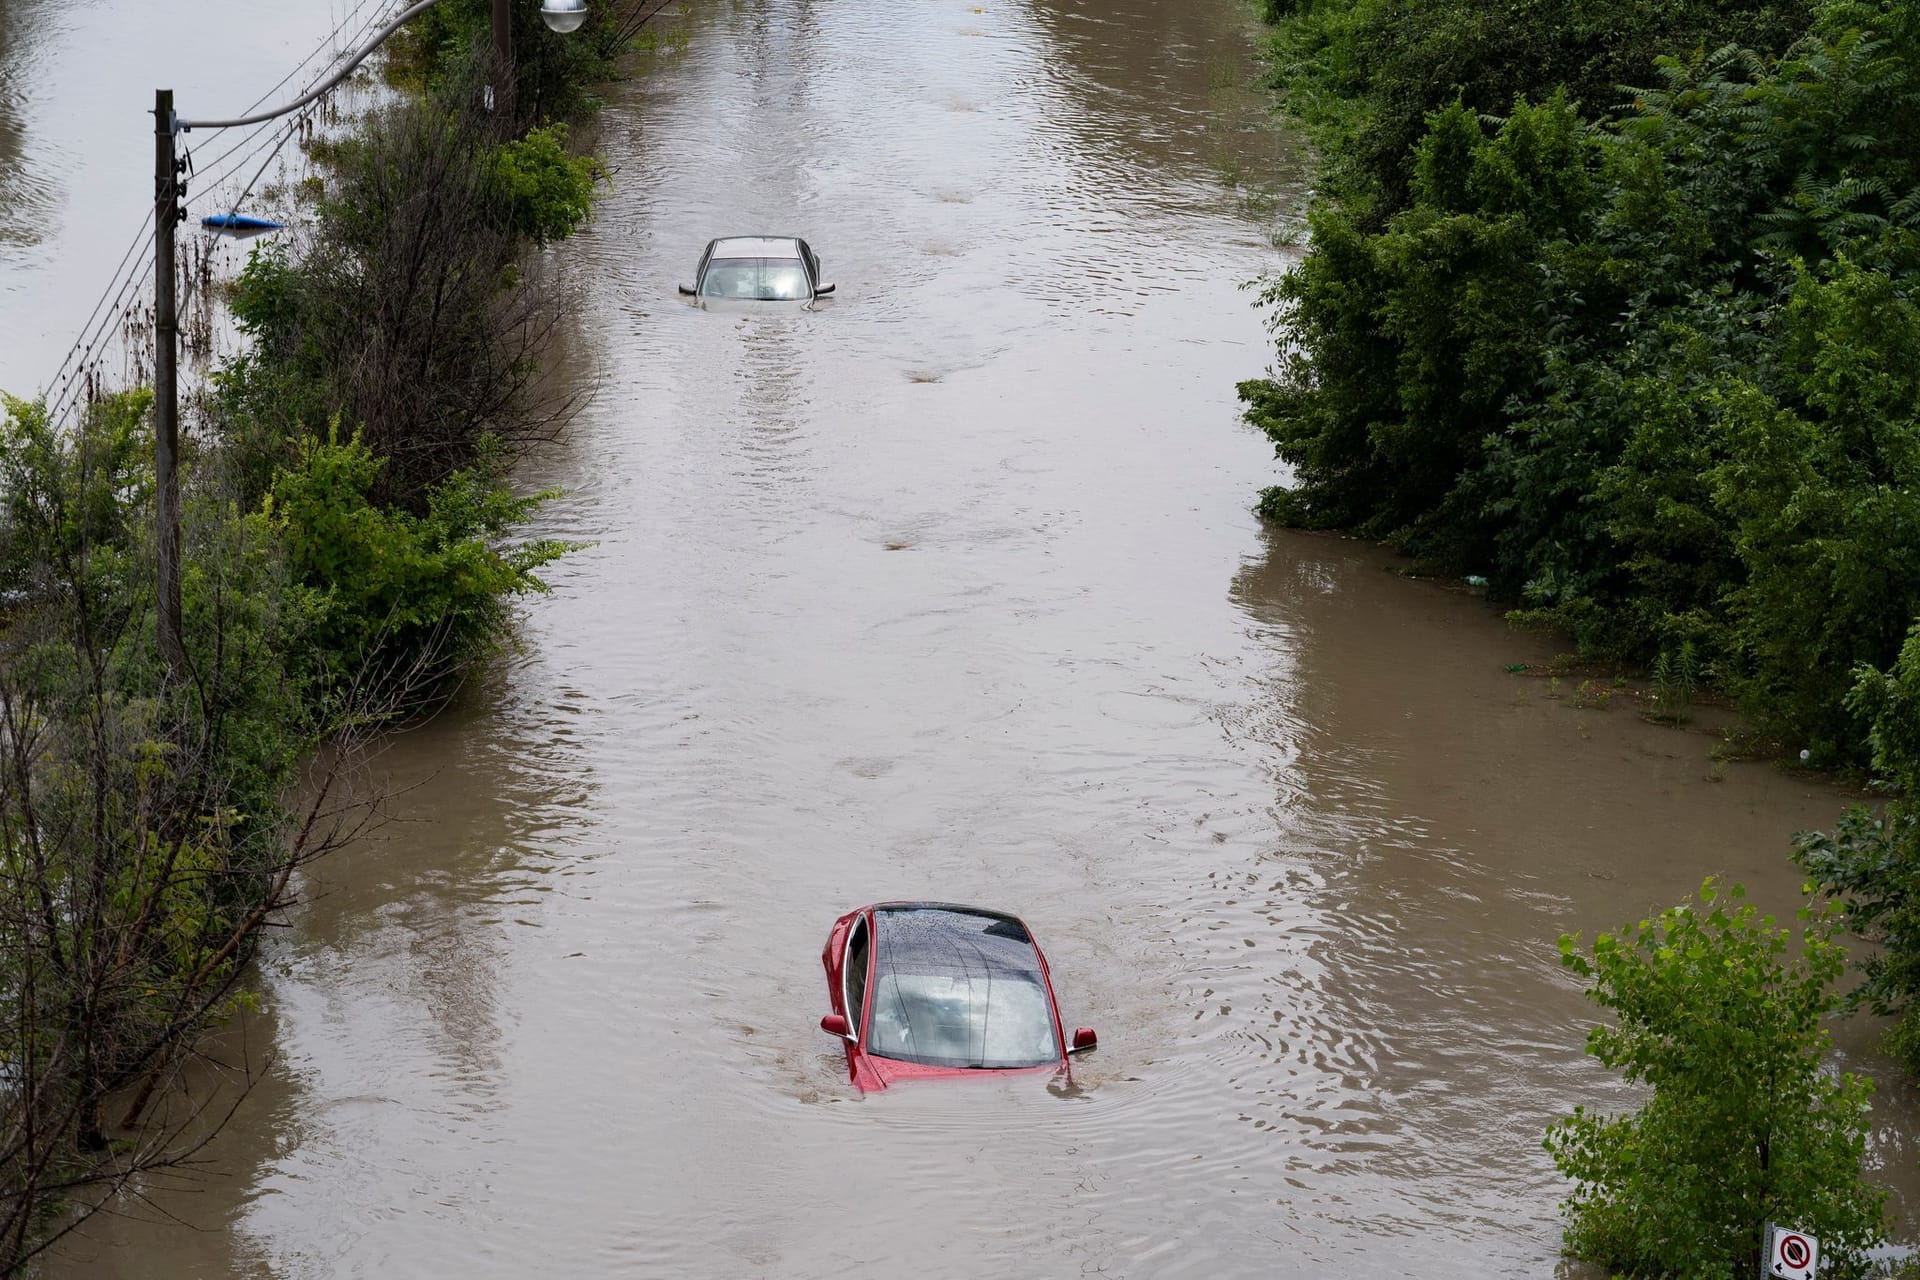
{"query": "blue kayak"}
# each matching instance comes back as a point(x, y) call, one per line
point(240, 222)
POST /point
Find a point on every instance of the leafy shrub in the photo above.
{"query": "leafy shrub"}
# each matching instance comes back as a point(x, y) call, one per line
point(1871, 861)
point(413, 598)
point(70, 507)
point(1744, 1125)
point(548, 192)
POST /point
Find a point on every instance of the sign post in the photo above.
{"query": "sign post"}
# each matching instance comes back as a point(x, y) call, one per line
point(1790, 1255)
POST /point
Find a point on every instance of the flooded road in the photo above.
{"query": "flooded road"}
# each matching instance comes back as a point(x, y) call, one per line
point(950, 590)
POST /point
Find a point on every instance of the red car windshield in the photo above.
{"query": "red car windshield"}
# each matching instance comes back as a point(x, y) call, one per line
point(953, 989)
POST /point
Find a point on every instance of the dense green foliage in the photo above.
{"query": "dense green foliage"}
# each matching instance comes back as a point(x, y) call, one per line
point(1654, 372)
point(548, 192)
point(1743, 1126)
point(76, 570)
point(382, 585)
point(1366, 74)
point(75, 563)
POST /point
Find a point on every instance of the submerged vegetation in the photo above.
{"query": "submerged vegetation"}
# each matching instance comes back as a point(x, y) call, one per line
point(351, 550)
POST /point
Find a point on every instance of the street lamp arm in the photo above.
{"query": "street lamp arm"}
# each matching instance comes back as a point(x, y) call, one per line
point(365, 52)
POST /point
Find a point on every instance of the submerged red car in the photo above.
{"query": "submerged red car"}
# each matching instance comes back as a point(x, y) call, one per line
point(922, 989)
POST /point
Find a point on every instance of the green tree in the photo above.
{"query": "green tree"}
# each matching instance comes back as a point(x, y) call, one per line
point(407, 313)
point(554, 75)
point(1743, 1125)
point(147, 833)
point(1366, 74)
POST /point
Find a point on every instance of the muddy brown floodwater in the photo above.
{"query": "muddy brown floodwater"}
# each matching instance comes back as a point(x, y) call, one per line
point(950, 589)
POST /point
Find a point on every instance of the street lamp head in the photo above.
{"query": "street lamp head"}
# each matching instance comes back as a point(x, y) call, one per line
point(563, 15)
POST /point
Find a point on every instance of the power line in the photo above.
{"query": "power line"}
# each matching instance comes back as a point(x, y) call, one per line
point(339, 51)
point(263, 133)
point(285, 138)
point(330, 40)
point(77, 383)
point(140, 239)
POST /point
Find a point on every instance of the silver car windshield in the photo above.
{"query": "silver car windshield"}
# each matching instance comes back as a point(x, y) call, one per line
point(956, 989)
point(757, 279)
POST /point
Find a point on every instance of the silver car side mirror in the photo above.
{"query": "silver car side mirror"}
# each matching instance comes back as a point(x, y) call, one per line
point(822, 288)
point(686, 290)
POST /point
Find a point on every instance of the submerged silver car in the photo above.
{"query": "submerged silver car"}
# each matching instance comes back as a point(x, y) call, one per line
point(758, 269)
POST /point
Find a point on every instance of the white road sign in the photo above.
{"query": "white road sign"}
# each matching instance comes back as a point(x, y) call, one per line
point(1791, 1255)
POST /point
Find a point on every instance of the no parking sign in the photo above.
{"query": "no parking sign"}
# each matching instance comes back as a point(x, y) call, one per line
point(1791, 1255)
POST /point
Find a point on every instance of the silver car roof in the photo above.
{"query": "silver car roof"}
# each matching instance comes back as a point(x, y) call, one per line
point(756, 247)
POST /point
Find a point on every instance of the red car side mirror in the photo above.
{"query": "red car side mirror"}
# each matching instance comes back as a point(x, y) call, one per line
point(1083, 1040)
point(835, 1025)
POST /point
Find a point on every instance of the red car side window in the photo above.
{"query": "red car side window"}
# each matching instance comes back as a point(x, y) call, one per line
point(856, 975)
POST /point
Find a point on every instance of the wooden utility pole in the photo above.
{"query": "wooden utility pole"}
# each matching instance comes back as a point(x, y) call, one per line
point(167, 191)
point(503, 61)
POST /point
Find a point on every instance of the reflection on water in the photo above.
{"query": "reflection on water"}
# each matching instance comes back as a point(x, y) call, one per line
point(950, 591)
point(28, 193)
point(1446, 823)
